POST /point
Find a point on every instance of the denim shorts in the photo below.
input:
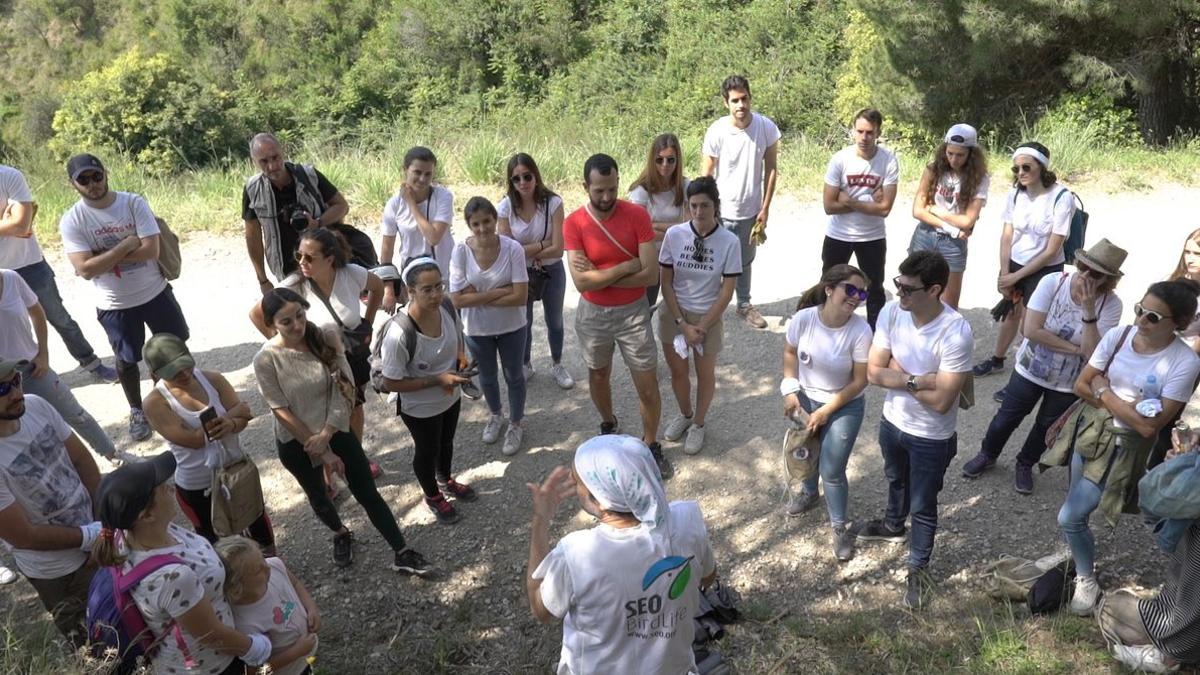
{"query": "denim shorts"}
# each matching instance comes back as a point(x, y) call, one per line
point(926, 238)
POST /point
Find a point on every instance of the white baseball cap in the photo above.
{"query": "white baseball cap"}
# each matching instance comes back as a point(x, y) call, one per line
point(964, 135)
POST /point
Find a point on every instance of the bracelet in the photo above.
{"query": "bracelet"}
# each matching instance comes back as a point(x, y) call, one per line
point(788, 386)
point(1090, 320)
point(263, 281)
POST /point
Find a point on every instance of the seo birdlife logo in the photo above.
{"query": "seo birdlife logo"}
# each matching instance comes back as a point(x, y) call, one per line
point(646, 617)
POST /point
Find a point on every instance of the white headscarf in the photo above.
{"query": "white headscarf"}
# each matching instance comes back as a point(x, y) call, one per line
point(621, 474)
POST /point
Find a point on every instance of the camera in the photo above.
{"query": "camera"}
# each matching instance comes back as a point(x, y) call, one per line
point(298, 219)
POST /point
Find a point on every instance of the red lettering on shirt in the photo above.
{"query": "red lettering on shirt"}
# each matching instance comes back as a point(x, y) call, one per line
point(866, 180)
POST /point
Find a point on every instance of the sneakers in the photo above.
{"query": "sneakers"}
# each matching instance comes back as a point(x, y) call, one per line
point(512, 441)
point(612, 427)
point(917, 588)
point(343, 549)
point(977, 465)
point(561, 377)
point(491, 430)
point(695, 440)
point(139, 428)
point(471, 390)
point(877, 530)
point(1087, 594)
point(802, 502)
point(7, 576)
point(457, 490)
point(103, 373)
point(528, 371)
point(677, 427)
point(988, 366)
point(750, 315)
point(664, 464)
point(1023, 479)
point(998, 397)
point(842, 540)
point(1143, 658)
point(446, 514)
point(409, 561)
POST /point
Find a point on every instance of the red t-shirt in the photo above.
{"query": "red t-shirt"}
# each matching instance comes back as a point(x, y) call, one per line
point(628, 224)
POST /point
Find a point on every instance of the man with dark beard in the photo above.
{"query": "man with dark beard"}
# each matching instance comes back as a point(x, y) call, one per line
point(47, 483)
point(610, 245)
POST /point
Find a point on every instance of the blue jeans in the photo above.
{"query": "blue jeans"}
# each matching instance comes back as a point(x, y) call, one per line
point(742, 229)
point(509, 345)
point(1020, 397)
point(552, 312)
point(915, 468)
point(1083, 496)
point(837, 440)
point(59, 396)
point(40, 277)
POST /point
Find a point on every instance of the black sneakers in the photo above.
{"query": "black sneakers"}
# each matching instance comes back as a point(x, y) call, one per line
point(988, 366)
point(917, 588)
point(610, 427)
point(877, 530)
point(664, 465)
point(843, 543)
point(343, 549)
point(409, 561)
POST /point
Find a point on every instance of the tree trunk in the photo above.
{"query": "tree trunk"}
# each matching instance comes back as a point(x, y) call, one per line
point(1162, 98)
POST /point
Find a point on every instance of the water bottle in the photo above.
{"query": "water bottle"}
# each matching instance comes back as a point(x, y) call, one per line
point(1151, 388)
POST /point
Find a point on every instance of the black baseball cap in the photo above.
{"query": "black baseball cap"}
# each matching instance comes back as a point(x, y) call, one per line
point(80, 163)
point(126, 492)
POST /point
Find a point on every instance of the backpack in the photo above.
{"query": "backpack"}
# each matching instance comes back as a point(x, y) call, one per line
point(1079, 223)
point(410, 344)
point(114, 621)
point(170, 259)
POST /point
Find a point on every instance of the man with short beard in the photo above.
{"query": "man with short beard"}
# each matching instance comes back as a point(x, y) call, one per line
point(47, 484)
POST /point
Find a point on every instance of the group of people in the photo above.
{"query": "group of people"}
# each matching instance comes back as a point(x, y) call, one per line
point(461, 315)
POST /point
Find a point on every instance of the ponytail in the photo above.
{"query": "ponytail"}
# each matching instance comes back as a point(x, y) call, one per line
point(106, 551)
point(833, 276)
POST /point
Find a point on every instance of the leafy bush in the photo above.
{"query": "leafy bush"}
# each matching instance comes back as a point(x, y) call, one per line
point(1111, 126)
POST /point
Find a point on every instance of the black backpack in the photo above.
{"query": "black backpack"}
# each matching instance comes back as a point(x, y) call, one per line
point(410, 343)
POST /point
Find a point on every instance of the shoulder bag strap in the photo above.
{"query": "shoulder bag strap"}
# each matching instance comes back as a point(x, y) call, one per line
point(1120, 343)
point(546, 221)
point(325, 301)
point(607, 233)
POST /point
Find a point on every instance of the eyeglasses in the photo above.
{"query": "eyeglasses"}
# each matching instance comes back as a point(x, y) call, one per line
point(1151, 315)
point(665, 160)
point(856, 292)
point(306, 257)
point(1022, 168)
point(1088, 271)
point(431, 290)
point(698, 249)
point(905, 290)
point(7, 387)
point(521, 178)
point(90, 177)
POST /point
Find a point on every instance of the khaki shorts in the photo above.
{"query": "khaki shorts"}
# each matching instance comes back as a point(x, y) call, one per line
point(600, 328)
point(714, 339)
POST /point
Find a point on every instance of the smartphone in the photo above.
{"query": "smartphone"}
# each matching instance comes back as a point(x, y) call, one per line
point(207, 417)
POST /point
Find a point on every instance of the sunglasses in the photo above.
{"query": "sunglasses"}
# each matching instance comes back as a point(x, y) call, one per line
point(521, 178)
point(1088, 271)
point(698, 249)
point(306, 257)
point(665, 160)
point(855, 292)
point(1022, 168)
point(1151, 315)
point(905, 290)
point(431, 290)
point(89, 178)
point(7, 387)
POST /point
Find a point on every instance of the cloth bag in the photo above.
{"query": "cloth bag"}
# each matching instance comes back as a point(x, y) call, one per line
point(236, 496)
point(1172, 489)
point(801, 450)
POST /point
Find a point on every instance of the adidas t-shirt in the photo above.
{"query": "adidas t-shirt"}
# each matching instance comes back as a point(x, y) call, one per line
point(86, 229)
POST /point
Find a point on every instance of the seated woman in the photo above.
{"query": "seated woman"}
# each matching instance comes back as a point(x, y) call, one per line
point(627, 589)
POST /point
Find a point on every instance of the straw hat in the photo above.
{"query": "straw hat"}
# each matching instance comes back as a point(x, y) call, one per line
point(1104, 257)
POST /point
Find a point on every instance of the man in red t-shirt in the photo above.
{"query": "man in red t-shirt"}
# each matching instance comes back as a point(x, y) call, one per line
point(610, 247)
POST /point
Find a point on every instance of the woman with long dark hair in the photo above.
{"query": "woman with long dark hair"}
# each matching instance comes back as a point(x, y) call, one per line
point(660, 189)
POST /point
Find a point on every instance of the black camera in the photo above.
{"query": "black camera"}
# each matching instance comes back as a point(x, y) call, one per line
point(299, 219)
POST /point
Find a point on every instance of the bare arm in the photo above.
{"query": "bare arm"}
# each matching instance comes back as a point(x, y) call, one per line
point(648, 274)
point(336, 209)
point(84, 465)
point(37, 318)
point(256, 250)
point(770, 175)
point(587, 278)
point(920, 209)
point(1006, 239)
point(260, 322)
point(963, 221)
point(879, 370)
point(718, 307)
point(16, 529)
point(374, 290)
point(236, 409)
point(708, 165)
point(875, 208)
point(829, 200)
point(445, 380)
point(559, 485)
point(555, 248)
point(387, 249)
point(431, 230)
point(17, 220)
point(147, 250)
point(202, 624)
point(1091, 380)
point(940, 390)
point(91, 265)
point(168, 424)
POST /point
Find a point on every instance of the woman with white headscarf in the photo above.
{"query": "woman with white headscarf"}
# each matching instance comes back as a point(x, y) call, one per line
point(627, 589)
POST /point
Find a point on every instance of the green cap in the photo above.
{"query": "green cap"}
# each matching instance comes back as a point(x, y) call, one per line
point(167, 355)
point(10, 366)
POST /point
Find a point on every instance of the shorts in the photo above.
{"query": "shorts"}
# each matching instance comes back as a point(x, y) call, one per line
point(714, 339)
point(1029, 284)
point(600, 328)
point(926, 238)
point(126, 328)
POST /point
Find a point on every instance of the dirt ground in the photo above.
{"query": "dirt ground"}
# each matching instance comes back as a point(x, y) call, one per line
point(473, 617)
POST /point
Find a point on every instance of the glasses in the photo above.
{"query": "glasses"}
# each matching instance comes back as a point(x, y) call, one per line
point(856, 292)
point(306, 257)
point(1088, 271)
point(89, 178)
point(1022, 168)
point(431, 290)
point(665, 160)
point(905, 290)
point(521, 178)
point(1151, 315)
point(7, 387)
point(698, 249)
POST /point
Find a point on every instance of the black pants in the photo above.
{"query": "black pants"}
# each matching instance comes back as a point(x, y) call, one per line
point(870, 256)
point(1020, 397)
point(434, 441)
point(197, 507)
point(358, 477)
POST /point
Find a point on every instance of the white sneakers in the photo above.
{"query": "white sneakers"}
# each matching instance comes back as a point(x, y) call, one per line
point(491, 430)
point(7, 576)
point(676, 428)
point(1087, 594)
point(695, 440)
point(683, 425)
point(561, 376)
point(512, 441)
point(1143, 658)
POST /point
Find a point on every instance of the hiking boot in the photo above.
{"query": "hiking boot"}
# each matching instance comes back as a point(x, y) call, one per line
point(343, 549)
point(528, 371)
point(998, 397)
point(409, 561)
point(694, 442)
point(1143, 658)
point(677, 427)
point(977, 465)
point(802, 502)
point(103, 373)
point(613, 427)
point(491, 430)
point(1087, 594)
point(446, 514)
point(750, 315)
point(561, 377)
point(843, 543)
point(512, 441)
point(139, 428)
point(461, 492)
point(988, 366)
point(664, 464)
point(917, 588)
point(1023, 479)
point(877, 530)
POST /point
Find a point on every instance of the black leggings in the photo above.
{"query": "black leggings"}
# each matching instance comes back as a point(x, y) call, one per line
point(870, 256)
point(433, 438)
point(358, 477)
point(197, 507)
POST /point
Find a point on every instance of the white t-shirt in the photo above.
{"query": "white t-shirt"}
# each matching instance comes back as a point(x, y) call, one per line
point(661, 205)
point(593, 580)
point(16, 252)
point(541, 228)
point(944, 345)
point(90, 230)
point(1174, 367)
point(1040, 364)
point(278, 614)
point(860, 178)
point(739, 167)
point(945, 193)
point(827, 355)
point(16, 332)
point(170, 591)
point(37, 474)
point(1034, 220)
point(508, 269)
point(349, 282)
point(434, 356)
point(697, 284)
point(399, 222)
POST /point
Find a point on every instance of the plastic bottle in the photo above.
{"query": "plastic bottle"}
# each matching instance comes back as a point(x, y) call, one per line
point(1151, 388)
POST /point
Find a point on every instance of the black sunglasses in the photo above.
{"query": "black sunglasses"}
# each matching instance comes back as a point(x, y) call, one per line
point(1022, 168)
point(521, 178)
point(1151, 315)
point(89, 178)
point(7, 387)
point(906, 290)
point(1089, 271)
point(665, 160)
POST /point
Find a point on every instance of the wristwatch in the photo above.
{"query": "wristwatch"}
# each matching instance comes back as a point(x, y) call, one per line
point(911, 385)
point(1099, 393)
